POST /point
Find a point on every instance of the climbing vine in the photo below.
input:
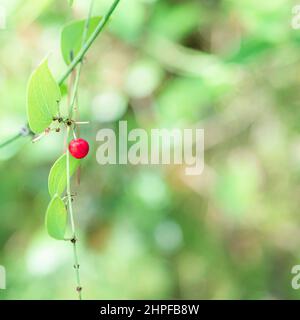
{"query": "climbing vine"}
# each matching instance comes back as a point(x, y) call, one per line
point(44, 115)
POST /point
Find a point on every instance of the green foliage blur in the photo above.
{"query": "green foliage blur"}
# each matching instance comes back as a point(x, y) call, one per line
point(150, 232)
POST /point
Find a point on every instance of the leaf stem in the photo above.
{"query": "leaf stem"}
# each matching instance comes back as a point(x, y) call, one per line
point(73, 239)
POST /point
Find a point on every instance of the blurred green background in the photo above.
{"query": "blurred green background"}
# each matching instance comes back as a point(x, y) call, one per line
point(231, 67)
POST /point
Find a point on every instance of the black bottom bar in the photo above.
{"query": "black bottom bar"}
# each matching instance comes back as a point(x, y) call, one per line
point(123, 309)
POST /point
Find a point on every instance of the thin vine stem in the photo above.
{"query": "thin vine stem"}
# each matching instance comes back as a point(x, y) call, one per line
point(72, 222)
point(90, 41)
point(77, 78)
point(77, 59)
point(69, 194)
point(10, 140)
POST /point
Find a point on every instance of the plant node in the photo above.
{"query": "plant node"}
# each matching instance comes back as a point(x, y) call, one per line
point(73, 240)
point(24, 132)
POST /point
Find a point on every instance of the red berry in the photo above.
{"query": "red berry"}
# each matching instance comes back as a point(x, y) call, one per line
point(79, 148)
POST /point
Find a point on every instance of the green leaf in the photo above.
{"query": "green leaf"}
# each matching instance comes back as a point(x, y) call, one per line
point(72, 36)
point(56, 218)
point(57, 180)
point(43, 96)
point(71, 3)
point(63, 89)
